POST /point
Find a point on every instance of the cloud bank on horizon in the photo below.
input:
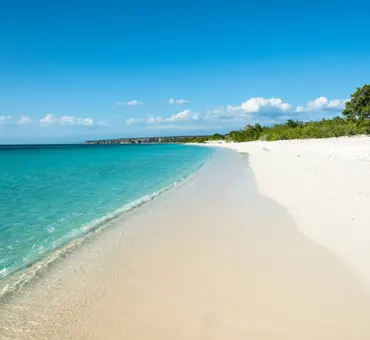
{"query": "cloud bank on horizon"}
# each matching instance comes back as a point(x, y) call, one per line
point(51, 119)
point(322, 104)
point(265, 111)
point(254, 110)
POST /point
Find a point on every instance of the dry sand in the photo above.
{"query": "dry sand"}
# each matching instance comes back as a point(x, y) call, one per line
point(210, 259)
point(325, 186)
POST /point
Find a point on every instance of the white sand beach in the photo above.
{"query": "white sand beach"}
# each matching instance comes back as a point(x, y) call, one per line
point(251, 247)
point(324, 185)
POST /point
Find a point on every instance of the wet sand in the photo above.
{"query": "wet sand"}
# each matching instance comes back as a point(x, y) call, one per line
point(209, 259)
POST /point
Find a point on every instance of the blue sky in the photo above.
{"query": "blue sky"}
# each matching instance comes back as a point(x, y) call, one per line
point(76, 70)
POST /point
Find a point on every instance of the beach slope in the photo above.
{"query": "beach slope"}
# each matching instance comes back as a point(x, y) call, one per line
point(324, 185)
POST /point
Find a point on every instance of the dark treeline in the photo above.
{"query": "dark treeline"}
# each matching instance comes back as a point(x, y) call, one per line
point(355, 121)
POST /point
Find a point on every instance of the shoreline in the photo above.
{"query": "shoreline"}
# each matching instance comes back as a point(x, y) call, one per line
point(323, 184)
point(202, 261)
point(25, 275)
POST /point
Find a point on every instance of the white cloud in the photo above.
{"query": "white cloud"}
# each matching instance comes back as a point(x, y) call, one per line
point(4, 119)
point(243, 112)
point(260, 104)
point(178, 101)
point(152, 120)
point(24, 120)
point(337, 104)
point(131, 121)
point(179, 127)
point(70, 120)
point(257, 109)
point(182, 116)
point(301, 109)
point(50, 119)
point(322, 104)
point(130, 103)
point(318, 104)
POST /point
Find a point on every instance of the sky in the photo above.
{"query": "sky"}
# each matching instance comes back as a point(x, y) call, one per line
point(77, 70)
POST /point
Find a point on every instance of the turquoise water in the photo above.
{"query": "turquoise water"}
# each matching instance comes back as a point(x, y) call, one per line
point(50, 195)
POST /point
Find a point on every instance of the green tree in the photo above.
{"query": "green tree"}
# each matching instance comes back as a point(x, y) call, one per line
point(293, 123)
point(358, 108)
point(217, 136)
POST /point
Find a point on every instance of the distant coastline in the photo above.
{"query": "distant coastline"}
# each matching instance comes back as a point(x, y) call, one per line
point(145, 140)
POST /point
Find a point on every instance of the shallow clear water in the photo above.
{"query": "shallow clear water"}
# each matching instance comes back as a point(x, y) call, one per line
point(49, 195)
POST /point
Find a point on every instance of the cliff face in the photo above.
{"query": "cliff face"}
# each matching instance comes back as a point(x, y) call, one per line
point(147, 140)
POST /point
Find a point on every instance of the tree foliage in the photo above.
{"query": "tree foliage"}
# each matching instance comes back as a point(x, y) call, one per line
point(204, 139)
point(325, 128)
point(358, 108)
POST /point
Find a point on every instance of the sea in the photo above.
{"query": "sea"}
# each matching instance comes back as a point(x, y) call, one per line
point(51, 195)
